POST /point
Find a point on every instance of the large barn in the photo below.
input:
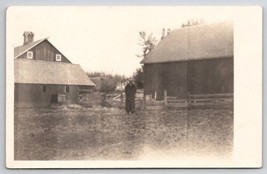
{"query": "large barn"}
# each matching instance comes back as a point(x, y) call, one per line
point(44, 76)
point(196, 60)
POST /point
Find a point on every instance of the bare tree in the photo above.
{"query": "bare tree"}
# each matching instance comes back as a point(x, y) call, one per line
point(147, 42)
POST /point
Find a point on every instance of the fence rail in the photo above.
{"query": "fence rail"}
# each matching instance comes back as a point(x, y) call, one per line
point(224, 95)
point(199, 100)
point(191, 101)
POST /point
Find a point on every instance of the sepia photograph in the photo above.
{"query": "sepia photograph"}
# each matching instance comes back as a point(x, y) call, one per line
point(131, 87)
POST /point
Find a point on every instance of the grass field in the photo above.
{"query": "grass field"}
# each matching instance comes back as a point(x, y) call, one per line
point(98, 133)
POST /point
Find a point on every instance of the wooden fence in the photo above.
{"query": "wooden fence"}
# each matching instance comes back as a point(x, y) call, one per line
point(199, 101)
point(170, 102)
point(139, 99)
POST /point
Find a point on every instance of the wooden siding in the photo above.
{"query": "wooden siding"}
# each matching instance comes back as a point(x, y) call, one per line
point(169, 76)
point(45, 51)
point(196, 77)
point(32, 95)
point(210, 76)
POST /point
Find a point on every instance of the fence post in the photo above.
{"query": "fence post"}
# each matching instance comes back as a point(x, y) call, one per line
point(141, 104)
point(165, 99)
point(144, 101)
point(121, 99)
point(189, 99)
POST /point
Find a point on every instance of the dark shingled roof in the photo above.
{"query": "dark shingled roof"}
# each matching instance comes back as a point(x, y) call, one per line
point(48, 72)
point(207, 41)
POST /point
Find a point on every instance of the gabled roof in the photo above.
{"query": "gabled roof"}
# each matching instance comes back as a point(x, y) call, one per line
point(48, 72)
point(194, 43)
point(19, 50)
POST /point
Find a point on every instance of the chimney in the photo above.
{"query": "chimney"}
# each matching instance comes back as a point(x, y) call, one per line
point(28, 37)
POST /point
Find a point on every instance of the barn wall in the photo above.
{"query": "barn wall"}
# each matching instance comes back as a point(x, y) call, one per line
point(169, 76)
point(210, 76)
point(32, 95)
point(197, 77)
point(45, 51)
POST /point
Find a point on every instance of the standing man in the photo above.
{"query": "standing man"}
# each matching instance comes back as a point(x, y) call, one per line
point(130, 91)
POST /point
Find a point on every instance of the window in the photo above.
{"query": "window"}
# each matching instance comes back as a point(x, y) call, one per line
point(67, 89)
point(29, 55)
point(61, 98)
point(44, 88)
point(58, 57)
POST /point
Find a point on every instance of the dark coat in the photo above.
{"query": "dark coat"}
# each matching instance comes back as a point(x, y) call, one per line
point(130, 91)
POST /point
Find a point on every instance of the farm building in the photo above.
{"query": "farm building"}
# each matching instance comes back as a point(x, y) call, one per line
point(196, 60)
point(44, 76)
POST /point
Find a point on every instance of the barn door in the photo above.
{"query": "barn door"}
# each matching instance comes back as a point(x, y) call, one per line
point(54, 98)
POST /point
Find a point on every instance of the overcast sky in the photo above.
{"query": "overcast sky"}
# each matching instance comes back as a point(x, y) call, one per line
point(102, 38)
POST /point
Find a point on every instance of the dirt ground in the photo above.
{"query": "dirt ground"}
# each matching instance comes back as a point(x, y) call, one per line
point(97, 133)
